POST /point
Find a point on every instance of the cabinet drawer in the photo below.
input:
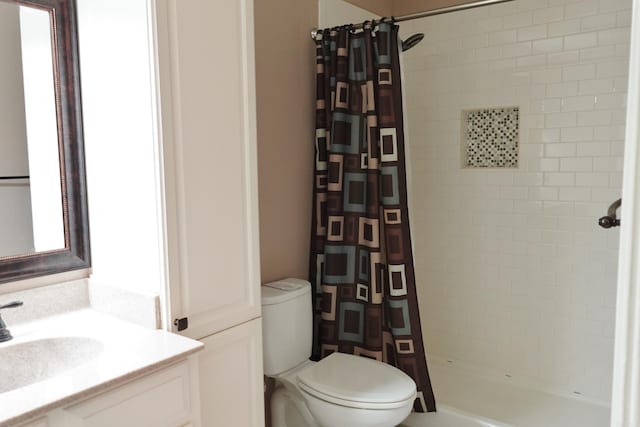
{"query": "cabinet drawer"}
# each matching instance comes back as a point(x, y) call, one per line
point(159, 400)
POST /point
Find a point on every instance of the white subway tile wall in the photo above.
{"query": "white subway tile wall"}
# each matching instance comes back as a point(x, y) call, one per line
point(514, 274)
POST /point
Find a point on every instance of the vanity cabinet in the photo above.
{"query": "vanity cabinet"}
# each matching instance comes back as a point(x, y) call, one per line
point(206, 86)
point(163, 399)
point(166, 398)
point(42, 422)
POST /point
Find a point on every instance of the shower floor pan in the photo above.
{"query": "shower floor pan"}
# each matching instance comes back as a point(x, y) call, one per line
point(467, 399)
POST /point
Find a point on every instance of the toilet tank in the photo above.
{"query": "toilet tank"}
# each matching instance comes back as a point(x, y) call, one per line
point(287, 324)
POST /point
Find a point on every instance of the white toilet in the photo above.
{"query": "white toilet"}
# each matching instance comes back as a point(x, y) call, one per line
point(340, 390)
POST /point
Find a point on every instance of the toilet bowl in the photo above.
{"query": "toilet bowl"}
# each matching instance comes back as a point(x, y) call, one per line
point(340, 390)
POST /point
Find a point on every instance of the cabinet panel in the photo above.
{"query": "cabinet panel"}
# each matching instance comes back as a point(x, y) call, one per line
point(42, 422)
point(160, 400)
point(207, 90)
point(231, 379)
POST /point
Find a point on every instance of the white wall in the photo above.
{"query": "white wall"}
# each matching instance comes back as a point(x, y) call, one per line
point(15, 204)
point(118, 105)
point(514, 274)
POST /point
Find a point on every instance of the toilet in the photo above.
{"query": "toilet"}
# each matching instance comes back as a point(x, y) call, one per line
point(340, 390)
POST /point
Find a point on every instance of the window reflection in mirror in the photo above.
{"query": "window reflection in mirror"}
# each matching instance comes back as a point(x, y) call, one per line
point(31, 206)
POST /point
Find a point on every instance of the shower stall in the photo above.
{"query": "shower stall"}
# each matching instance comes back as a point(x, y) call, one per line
point(515, 126)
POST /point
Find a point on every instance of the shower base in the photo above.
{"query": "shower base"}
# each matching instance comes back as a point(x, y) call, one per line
point(467, 399)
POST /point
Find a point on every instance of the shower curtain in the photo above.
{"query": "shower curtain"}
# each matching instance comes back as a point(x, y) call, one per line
point(361, 262)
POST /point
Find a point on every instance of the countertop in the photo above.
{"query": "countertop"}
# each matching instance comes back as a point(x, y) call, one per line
point(122, 352)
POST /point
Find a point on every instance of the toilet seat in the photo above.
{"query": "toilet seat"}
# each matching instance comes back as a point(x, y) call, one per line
point(357, 382)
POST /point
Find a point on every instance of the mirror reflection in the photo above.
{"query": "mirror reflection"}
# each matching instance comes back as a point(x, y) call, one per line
point(31, 206)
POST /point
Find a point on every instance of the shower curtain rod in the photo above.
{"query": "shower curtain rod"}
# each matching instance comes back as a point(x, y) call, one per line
point(433, 12)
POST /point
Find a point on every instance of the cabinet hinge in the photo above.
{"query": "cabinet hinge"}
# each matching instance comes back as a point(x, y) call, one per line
point(181, 324)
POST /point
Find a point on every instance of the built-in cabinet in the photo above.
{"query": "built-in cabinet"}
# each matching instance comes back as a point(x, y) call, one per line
point(231, 363)
point(207, 94)
point(208, 134)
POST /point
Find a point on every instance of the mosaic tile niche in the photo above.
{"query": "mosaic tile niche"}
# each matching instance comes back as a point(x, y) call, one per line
point(490, 137)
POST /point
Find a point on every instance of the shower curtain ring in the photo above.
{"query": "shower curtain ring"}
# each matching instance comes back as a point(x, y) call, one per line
point(386, 19)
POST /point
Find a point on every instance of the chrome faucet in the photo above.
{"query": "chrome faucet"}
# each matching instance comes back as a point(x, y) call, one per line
point(5, 335)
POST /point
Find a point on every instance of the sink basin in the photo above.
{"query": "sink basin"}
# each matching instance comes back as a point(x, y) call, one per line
point(29, 362)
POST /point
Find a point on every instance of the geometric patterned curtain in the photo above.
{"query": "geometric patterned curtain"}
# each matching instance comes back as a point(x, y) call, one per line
point(361, 263)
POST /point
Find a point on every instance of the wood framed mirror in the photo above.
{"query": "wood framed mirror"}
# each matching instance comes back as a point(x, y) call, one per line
point(44, 225)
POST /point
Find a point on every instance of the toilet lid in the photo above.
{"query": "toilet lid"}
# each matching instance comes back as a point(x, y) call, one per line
point(357, 382)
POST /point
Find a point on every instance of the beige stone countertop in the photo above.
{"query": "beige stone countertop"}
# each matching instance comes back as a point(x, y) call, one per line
point(63, 359)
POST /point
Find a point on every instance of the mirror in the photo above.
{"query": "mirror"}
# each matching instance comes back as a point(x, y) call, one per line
point(43, 209)
point(31, 203)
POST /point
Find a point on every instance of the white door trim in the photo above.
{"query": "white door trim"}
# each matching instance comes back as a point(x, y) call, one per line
point(625, 402)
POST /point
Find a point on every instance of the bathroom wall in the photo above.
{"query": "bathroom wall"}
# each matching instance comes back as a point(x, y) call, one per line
point(120, 138)
point(285, 86)
point(514, 274)
point(403, 7)
point(378, 7)
point(334, 13)
point(408, 7)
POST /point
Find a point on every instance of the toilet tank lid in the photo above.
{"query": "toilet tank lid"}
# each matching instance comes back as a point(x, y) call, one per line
point(284, 290)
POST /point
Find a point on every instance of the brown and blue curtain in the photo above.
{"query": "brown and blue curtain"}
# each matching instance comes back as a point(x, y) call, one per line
point(361, 259)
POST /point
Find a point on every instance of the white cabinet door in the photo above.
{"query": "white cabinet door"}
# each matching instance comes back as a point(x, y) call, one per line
point(231, 377)
point(42, 422)
point(162, 399)
point(207, 99)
